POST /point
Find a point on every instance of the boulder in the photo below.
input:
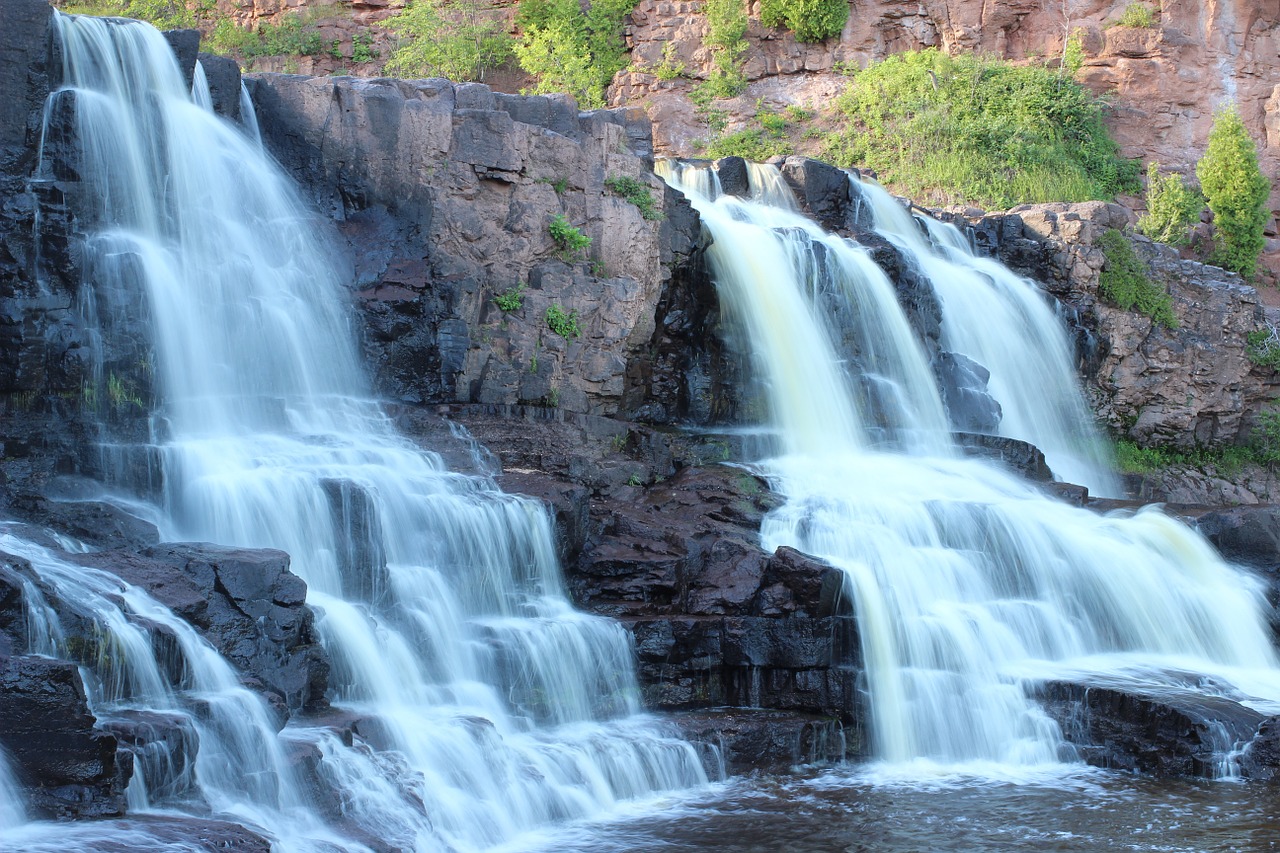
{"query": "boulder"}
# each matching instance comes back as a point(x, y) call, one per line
point(245, 602)
point(737, 741)
point(734, 179)
point(223, 76)
point(822, 189)
point(68, 766)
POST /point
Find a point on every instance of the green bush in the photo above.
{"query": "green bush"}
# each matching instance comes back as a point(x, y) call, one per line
point(570, 240)
point(810, 20)
point(1236, 192)
point(1125, 284)
point(1137, 15)
point(511, 299)
point(1262, 347)
point(458, 39)
point(726, 37)
point(564, 325)
point(750, 144)
point(636, 192)
point(978, 130)
point(162, 14)
point(569, 50)
point(1172, 208)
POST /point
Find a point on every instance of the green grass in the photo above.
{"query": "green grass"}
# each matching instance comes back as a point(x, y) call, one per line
point(1125, 284)
point(977, 130)
point(636, 192)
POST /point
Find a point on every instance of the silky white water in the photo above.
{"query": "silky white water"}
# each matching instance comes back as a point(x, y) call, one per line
point(1002, 321)
point(967, 581)
point(439, 599)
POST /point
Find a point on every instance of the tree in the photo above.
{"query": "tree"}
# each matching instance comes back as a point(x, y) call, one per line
point(571, 50)
point(1236, 191)
point(1172, 208)
point(458, 39)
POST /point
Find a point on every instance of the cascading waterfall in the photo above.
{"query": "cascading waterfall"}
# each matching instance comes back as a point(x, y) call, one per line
point(967, 582)
point(440, 604)
point(1002, 321)
point(12, 814)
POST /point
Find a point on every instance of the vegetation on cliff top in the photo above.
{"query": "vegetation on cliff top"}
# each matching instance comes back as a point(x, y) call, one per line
point(810, 20)
point(458, 39)
point(1124, 281)
point(980, 130)
point(571, 50)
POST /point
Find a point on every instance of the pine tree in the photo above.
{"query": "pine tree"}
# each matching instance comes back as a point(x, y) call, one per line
point(1236, 191)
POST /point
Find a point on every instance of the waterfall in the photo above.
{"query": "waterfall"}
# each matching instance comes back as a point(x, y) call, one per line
point(968, 583)
point(439, 598)
point(1002, 321)
point(12, 814)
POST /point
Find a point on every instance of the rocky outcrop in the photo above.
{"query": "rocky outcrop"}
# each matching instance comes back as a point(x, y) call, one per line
point(1161, 731)
point(70, 768)
point(444, 195)
point(1192, 386)
point(245, 602)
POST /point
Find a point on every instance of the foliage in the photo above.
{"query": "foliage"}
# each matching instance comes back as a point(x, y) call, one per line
point(979, 130)
point(1262, 347)
point(670, 68)
point(162, 14)
point(1137, 15)
point(362, 47)
point(1125, 284)
point(749, 144)
point(1236, 192)
point(564, 325)
point(1073, 54)
point(636, 192)
point(569, 239)
point(810, 20)
point(457, 39)
point(726, 38)
point(1228, 461)
point(572, 51)
point(1172, 208)
point(511, 299)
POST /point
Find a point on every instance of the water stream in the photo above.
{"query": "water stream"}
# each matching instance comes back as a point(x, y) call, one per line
point(440, 603)
point(968, 582)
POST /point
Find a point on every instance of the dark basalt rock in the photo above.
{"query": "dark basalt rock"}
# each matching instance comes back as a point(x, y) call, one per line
point(734, 177)
point(68, 767)
point(245, 602)
point(186, 47)
point(95, 523)
point(963, 383)
point(1160, 731)
point(1261, 758)
point(1024, 458)
point(1245, 534)
point(223, 76)
point(822, 189)
point(740, 740)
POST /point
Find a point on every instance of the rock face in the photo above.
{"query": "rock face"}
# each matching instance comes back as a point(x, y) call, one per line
point(1192, 386)
point(245, 602)
point(1167, 80)
point(1169, 732)
point(71, 768)
point(444, 195)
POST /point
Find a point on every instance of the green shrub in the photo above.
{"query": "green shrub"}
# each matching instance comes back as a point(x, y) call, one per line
point(1262, 347)
point(458, 39)
point(511, 299)
point(570, 240)
point(1265, 438)
point(564, 325)
point(1137, 15)
point(978, 130)
point(1125, 284)
point(810, 20)
point(726, 37)
point(636, 192)
point(750, 144)
point(1172, 208)
point(670, 68)
point(569, 50)
point(1236, 192)
point(362, 47)
point(162, 14)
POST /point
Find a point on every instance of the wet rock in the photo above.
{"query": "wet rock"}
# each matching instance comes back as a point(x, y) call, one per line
point(68, 767)
point(1024, 458)
point(1260, 759)
point(739, 741)
point(822, 189)
point(164, 747)
point(734, 179)
point(223, 75)
point(186, 47)
point(245, 602)
point(1246, 534)
point(1162, 731)
point(95, 523)
point(963, 383)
